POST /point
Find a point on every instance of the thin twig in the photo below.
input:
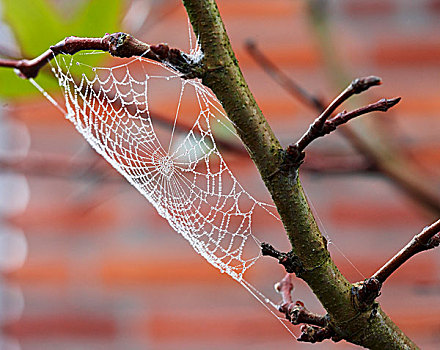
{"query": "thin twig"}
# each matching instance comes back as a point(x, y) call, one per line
point(30, 68)
point(382, 105)
point(367, 291)
point(356, 87)
point(408, 181)
point(285, 288)
point(425, 240)
point(325, 124)
point(117, 44)
point(316, 327)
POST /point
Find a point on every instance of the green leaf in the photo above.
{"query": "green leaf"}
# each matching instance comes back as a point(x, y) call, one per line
point(35, 23)
point(12, 86)
point(97, 18)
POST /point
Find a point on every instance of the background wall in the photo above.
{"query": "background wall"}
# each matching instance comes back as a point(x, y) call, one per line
point(88, 264)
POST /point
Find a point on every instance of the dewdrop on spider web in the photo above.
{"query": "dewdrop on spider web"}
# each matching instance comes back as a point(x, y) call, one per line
point(184, 176)
point(182, 173)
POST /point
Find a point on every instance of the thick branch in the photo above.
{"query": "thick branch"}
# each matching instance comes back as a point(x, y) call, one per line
point(224, 77)
point(118, 45)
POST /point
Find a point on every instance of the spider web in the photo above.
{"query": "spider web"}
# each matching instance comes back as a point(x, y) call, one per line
point(183, 176)
point(182, 173)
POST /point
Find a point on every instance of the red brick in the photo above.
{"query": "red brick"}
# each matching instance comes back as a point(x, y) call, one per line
point(237, 325)
point(406, 52)
point(39, 273)
point(50, 326)
point(131, 271)
point(368, 8)
point(38, 111)
point(260, 8)
point(426, 104)
point(427, 158)
point(345, 212)
point(305, 56)
point(68, 218)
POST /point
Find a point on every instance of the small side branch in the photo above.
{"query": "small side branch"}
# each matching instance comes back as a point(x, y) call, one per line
point(325, 123)
point(117, 44)
point(409, 182)
point(290, 261)
point(315, 327)
point(356, 87)
point(366, 291)
point(429, 238)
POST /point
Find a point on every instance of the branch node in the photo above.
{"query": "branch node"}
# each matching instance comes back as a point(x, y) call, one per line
point(434, 241)
point(314, 334)
point(119, 44)
point(326, 122)
point(289, 260)
point(364, 293)
point(316, 328)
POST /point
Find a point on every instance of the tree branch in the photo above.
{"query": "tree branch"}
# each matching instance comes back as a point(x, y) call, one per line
point(316, 327)
point(225, 79)
point(117, 44)
point(323, 126)
point(429, 238)
point(390, 165)
point(222, 74)
point(367, 291)
point(356, 87)
point(289, 260)
point(30, 68)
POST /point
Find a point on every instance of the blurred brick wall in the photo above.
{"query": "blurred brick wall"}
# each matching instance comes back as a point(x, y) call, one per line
point(98, 272)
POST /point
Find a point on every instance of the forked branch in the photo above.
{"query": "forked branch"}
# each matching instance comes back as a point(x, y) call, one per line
point(409, 181)
point(315, 327)
point(117, 44)
point(325, 123)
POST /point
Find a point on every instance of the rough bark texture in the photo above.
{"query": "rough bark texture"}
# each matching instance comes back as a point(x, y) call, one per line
point(222, 74)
